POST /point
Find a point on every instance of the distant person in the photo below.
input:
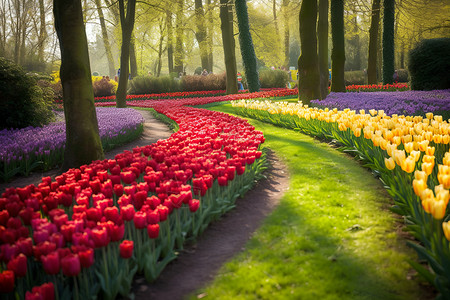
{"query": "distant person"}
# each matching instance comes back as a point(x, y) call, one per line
point(150, 73)
point(395, 76)
point(205, 72)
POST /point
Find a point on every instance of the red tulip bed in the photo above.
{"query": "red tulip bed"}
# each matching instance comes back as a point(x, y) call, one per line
point(377, 87)
point(88, 231)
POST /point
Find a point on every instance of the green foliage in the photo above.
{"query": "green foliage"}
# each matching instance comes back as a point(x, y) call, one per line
point(209, 82)
point(273, 78)
point(294, 53)
point(151, 84)
point(23, 102)
point(198, 71)
point(354, 77)
point(429, 64)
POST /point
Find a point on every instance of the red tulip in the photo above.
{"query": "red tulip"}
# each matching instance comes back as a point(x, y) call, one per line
point(152, 217)
point(70, 265)
point(140, 219)
point(112, 214)
point(128, 177)
point(126, 249)
point(153, 231)
point(222, 180)
point(100, 237)
point(51, 263)
point(43, 292)
point(194, 204)
point(86, 257)
point(18, 265)
point(127, 212)
point(118, 190)
point(117, 232)
point(7, 281)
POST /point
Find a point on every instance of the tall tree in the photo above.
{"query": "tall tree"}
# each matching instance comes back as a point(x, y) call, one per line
point(275, 19)
point(247, 49)
point(286, 16)
point(169, 40)
point(322, 34)
point(226, 18)
point(133, 59)
point(210, 32)
point(338, 50)
point(127, 24)
point(109, 56)
point(388, 40)
point(179, 34)
point(308, 62)
point(83, 143)
point(42, 31)
point(200, 34)
point(373, 42)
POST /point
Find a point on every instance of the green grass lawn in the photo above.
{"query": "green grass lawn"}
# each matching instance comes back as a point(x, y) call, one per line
point(331, 237)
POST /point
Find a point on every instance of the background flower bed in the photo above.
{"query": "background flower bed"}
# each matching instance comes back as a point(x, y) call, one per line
point(394, 148)
point(407, 103)
point(31, 148)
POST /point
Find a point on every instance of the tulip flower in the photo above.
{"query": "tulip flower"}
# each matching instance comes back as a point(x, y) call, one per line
point(126, 249)
point(86, 257)
point(153, 231)
point(51, 263)
point(446, 229)
point(389, 163)
point(71, 265)
point(6, 281)
point(18, 265)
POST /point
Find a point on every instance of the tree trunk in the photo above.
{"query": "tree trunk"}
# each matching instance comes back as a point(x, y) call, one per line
point(285, 5)
point(133, 59)
point(169, 41)
point(179, 34)
point(275, 20)
point(388, 40)
point(127, 24)
point(109, 56)
point(210, 34)
point(373, 43)
point(200, 34)
point(356, 46)
point(160, 49)
point(308, 62)
point(322, 33)
point(338, 51)
point(83, 143)
point(42, 31)
point(226, 18)
point(247, 50)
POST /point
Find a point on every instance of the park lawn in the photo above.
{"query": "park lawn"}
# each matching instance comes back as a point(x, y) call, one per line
point(331, 237)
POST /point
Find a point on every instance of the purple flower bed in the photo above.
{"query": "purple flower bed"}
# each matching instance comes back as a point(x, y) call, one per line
point(22, 150)
point(402, 103)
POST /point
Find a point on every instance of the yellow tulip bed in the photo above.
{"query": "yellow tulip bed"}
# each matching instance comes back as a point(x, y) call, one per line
point(409, 154)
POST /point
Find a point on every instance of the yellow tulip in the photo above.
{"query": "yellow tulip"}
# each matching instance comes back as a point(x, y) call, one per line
point(409, 147)
point(444, 179)
point(423, 145)
point(446, 160)
point(373, 112)
point(383, 143)
point(362, 112)
point(438, 119)
point(445, 139)
point(419, 185)
point(429, 115)
point(430, 151)
point(357, 132)
point(420, 175)
point(437, 138)
point(408, 164)
point(399, 157)
point(446, 229)
point(390, 149)
point(443, 195)
point(427, 167)
point(406, 138)
point(415, 154)
point(438, 209)
point(390, 163)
